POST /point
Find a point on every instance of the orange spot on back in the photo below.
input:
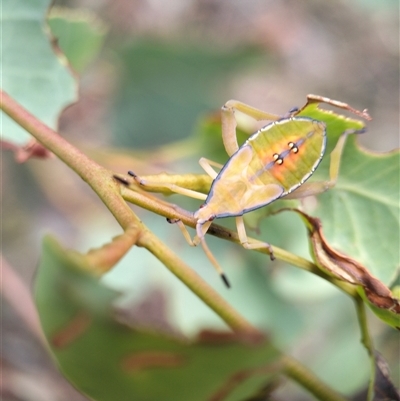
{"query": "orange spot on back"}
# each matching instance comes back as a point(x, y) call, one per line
point(278, 171)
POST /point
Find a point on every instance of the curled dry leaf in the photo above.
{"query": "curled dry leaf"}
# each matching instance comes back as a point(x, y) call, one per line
point(376, 294)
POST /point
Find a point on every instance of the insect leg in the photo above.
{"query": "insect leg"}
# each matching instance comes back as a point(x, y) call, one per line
point(321, 99)
point(201, 228)
point(172, 187)
point(207, 167)
point(184, 231)
point(228, 122)
point(244, 240)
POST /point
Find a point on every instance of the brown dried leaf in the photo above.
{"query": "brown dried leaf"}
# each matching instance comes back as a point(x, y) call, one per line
point(376, 294)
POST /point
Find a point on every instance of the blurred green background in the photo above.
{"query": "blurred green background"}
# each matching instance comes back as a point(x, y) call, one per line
point(156, 72)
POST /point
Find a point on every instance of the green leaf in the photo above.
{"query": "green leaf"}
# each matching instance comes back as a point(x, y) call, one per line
point(80, 35)
point(361, 214)
point(108, 360)
point(31, 72)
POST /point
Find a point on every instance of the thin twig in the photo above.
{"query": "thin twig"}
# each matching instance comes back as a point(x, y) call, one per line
point(112, 193)
point(366, 340)
point(108, 189)
point(170, 211)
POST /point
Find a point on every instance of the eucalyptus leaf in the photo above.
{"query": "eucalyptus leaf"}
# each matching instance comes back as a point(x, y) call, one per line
point(32, 73)
point(79, 33)
point(108, 360)
point(361, 215)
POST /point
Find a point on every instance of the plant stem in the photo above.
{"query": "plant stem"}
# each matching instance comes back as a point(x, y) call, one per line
point(110, 192)
point(149, 202)
point(102, 182)
point(367, 342)
point(96, 176)
point(210, 297)
point(49, 138)
point(304, 377)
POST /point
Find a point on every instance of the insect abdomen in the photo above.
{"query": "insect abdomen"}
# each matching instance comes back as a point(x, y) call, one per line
point(287, 152)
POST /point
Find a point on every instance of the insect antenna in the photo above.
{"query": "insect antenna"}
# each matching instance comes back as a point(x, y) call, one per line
point(225, 280)
point(206, 249)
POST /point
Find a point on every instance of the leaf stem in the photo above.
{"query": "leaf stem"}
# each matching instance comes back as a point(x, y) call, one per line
point(366, 341)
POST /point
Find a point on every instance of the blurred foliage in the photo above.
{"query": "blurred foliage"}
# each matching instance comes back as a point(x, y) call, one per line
point(155, 89)
point(80, 35)
point(109, 360)
point(26, 52)
point(166, 86)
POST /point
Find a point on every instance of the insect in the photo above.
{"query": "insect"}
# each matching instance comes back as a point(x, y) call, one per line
point(272, 163)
